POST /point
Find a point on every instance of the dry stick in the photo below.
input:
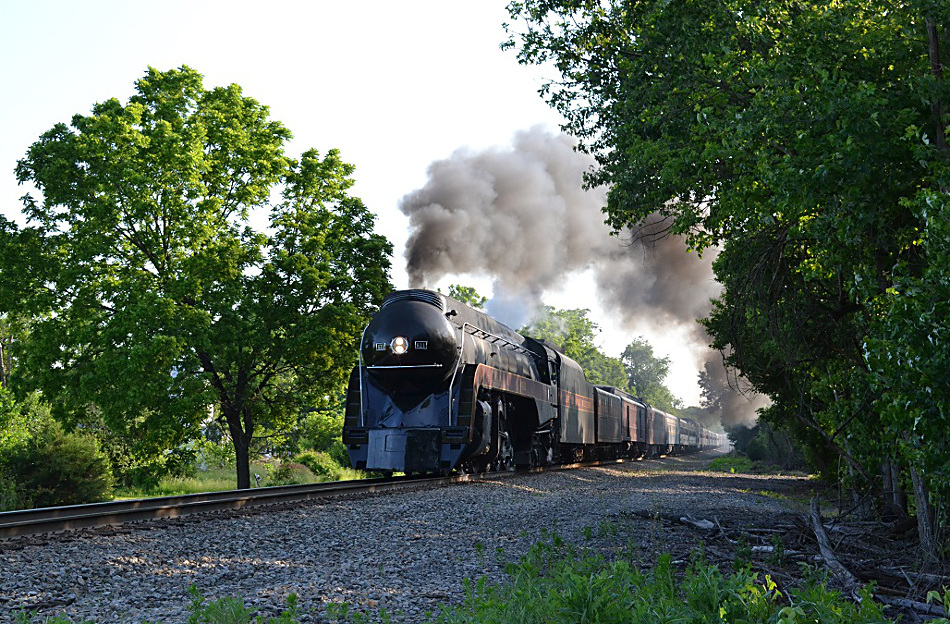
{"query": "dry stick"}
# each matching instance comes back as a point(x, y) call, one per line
point(849, 581)
point(913, 605)
point(841, 573)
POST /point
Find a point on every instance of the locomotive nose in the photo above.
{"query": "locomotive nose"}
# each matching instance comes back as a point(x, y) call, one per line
point(410, 345)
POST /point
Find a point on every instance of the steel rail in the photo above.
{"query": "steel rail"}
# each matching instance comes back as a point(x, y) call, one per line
point(27, 522)
point(52, 519)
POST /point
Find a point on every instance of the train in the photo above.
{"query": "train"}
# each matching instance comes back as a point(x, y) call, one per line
point(442, 387)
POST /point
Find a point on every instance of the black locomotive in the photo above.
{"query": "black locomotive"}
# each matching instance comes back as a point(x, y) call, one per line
point(441, 386)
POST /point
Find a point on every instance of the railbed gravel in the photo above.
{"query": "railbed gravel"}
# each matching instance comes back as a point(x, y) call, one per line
point(404, 552)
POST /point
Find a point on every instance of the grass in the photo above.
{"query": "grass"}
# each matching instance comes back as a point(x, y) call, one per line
point(216, 479)
point(743, 465)
point(560, 583)
point(209, 480)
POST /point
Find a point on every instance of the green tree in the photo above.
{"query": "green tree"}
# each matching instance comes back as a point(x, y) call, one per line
point(157, 289)
point(808, 140)
point(467, 295)
point(9, 336)
point(14, 272)
point(646, 374)
point(575, 334)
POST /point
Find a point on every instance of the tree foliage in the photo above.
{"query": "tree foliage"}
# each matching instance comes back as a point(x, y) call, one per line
point(575, 333)
point(468, 296)
point(41, 465)
point(807, 140)
point(179, 258)
point(637, 371)
point(646, 375)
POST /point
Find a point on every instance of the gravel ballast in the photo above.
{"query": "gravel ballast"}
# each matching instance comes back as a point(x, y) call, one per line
point(404, 552)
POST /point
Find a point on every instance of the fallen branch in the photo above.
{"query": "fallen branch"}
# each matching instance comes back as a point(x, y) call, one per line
point(913, 605)
point(912, 579)
point(840, 573)
point(704, 525)
point(724, 534)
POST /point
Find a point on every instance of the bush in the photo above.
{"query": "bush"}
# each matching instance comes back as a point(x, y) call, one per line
point(559, 583)
point(319, 463)
point(288, 473)
point(339, 454)
point(58, 468)
point(133, 465)
point(10, 500)
point(218, 454)
point(41, 465)
point(321, 430)
point(765, 443)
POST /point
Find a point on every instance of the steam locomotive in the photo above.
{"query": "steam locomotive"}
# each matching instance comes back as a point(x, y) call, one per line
point(441, 386)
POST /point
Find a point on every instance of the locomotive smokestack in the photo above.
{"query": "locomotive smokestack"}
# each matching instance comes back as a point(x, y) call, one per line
point(522, 216)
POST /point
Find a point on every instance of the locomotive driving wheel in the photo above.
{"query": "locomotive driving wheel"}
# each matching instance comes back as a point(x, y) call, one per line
point(506, 452)
point(543, 449)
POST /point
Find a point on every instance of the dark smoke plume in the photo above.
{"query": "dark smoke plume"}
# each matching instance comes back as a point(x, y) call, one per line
point(522, 216)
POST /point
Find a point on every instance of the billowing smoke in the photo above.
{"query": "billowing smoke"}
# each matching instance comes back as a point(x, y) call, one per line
point(728, 397)
point(519, 215)
point(522, 216)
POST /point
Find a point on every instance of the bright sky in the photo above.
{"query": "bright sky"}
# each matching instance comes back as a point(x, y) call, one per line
point(392, 85)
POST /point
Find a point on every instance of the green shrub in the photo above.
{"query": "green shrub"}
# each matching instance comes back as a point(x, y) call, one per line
point(218, 454)
point(10, 499)
point(133, 464)
point(288, 473)
point(320, 430)
point(559, 583)
point(339, 454)
point(319, 463)
point(57, 468)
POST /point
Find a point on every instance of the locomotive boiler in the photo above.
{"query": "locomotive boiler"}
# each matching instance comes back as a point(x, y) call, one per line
point(441, 386)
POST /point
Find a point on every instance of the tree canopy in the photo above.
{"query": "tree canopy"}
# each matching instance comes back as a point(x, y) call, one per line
point(646, 374)
point(467, 295)
point(575, 333)
point(808, 141)
point(637, 371)
point(178, 258)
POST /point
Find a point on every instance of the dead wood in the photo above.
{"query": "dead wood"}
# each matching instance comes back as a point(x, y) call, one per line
point(840, 573)
point(912, 605)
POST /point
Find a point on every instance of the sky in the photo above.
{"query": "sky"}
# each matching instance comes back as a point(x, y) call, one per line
point(394, 86)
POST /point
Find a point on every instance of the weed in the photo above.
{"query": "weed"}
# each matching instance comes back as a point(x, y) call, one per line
point(778, 551)
point(743, 555)
point(232, 610)
point(560, 583)
point(606, 528)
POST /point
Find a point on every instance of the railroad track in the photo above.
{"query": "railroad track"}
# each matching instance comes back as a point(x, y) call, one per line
point(52, 519)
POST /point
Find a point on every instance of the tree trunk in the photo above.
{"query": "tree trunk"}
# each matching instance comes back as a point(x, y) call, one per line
point(895, 501)
point(936, 67)
point(925, 523)
point(241, 441)
point(3, 368)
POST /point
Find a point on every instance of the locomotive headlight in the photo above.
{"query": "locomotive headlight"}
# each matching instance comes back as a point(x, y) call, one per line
point(400, 345)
